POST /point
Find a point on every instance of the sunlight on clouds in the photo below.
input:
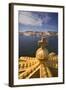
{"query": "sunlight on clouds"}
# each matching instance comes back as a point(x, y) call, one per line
point(28, 18)
point(37, 21)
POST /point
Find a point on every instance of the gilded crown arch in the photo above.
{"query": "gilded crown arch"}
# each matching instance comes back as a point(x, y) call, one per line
point(42, 62)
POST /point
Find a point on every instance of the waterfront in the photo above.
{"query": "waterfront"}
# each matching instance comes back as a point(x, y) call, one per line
point(28, 45)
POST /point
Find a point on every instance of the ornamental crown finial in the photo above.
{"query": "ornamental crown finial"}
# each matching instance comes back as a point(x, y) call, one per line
point(43, 42)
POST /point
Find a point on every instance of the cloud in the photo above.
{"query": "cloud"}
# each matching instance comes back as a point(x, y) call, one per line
point(28, 18)
point(46, 18)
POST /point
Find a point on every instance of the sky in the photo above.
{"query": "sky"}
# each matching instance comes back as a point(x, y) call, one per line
point(37, 21)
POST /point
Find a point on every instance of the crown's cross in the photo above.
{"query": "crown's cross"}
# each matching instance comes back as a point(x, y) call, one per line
point(43, 42)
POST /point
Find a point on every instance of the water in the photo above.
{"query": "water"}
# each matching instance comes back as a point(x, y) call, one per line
point(29, 44)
